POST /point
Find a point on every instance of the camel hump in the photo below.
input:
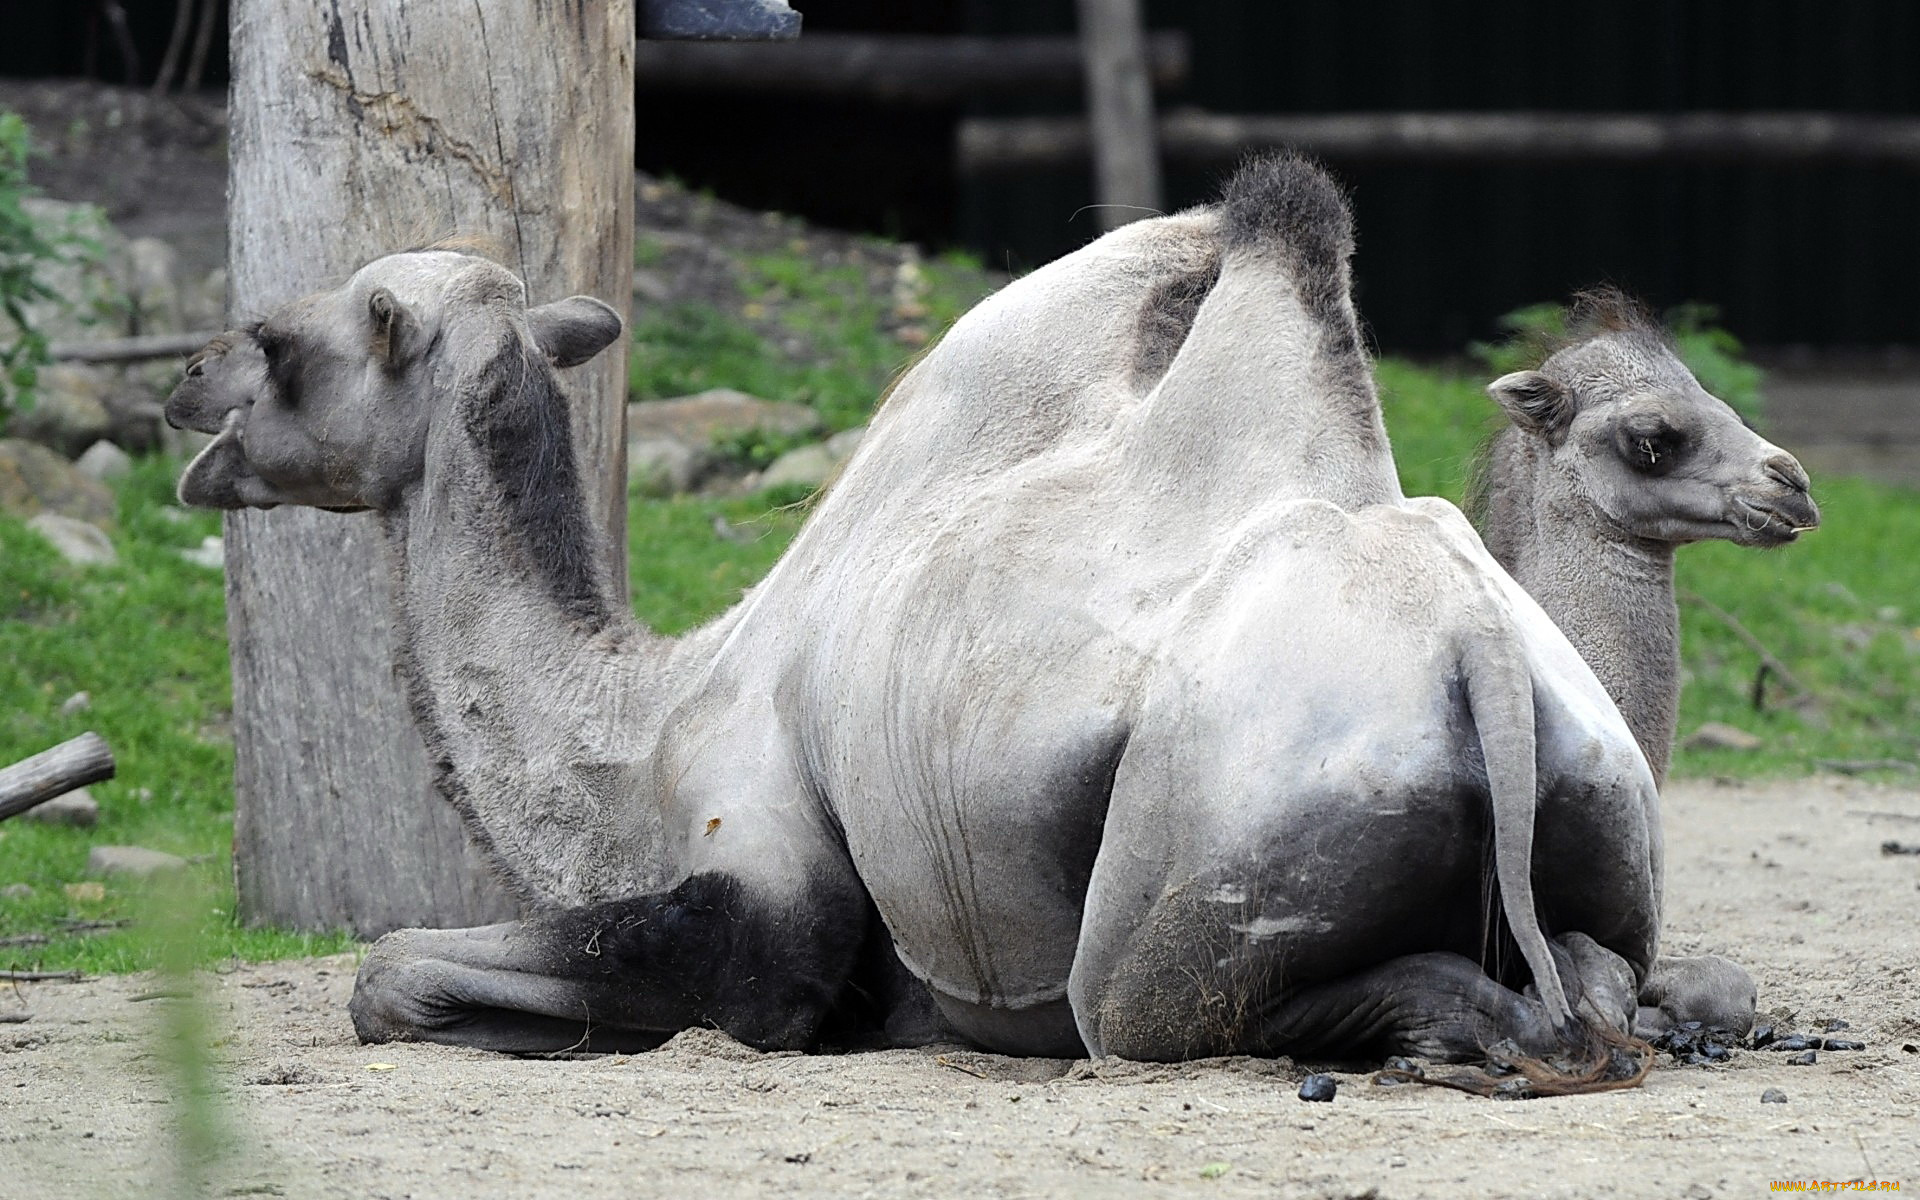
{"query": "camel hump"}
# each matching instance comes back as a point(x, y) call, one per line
point(1287, 202)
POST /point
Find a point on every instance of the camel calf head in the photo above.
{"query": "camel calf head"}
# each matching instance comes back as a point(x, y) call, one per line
point(330, 401)
point(1632, 434)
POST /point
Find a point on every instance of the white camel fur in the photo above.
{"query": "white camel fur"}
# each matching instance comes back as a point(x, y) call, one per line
point(1115, 691)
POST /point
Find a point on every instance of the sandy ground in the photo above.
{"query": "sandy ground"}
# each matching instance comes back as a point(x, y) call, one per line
point(1787, 878)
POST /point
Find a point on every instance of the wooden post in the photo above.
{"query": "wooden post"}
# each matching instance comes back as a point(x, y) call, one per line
point(357, 130)
point(1126, 157)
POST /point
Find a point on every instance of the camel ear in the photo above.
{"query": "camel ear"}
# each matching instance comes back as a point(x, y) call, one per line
point(1534, 401)
point(392, 326)
point(573, 330)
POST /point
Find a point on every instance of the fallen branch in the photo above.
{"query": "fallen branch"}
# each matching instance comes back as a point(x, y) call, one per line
point(1768, 659)
point(39, 976)
point(55, 772)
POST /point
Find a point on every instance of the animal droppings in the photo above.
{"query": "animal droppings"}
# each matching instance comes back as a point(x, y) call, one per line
point(1698, 1045)
point(1762, 1036)
point(1837, 1023)
point(1318, 1088)
point(1398, 1070)
point(1793, 1043)
point(1804, 1059)
point(1773, 1096)
point(1841, 1044)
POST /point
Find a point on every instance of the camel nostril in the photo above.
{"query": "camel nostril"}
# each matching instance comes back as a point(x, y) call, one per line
point(1787, 470)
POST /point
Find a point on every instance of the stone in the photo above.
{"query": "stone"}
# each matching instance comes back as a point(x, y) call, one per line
point(812, 466)
point(137, 862)
point(69, 408)
point(79, 543)
point(85, 283)
point(1713, 735)
point(1773, 1096)
point(79, 702)
point(153, 286)
point(210, 553)
point(16, 891)
point(1319, 1088)
point(665, 466)
point(77, 808)
point(33, 479)
point(842, 445)
point(103, 461)
point(698, 419)
point(808, 466)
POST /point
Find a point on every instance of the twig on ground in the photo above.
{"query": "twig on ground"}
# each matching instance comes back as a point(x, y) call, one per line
point(1768, 659)
point(39, 976)
point(961, 1067)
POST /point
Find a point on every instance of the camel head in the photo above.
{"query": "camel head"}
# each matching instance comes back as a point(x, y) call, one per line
point(330, 401)
point(1630, 432)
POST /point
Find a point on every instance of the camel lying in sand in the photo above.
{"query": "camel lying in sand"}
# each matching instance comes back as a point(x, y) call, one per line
point(1115, 694)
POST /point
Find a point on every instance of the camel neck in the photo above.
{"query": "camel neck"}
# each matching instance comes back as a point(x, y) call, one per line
point(540, 700)
point(1610, 593)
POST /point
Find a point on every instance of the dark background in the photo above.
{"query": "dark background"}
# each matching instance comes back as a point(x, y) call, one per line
point(1823, 256)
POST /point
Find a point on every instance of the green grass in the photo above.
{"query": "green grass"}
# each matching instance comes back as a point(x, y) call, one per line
point(805, 334)
point(147, 638)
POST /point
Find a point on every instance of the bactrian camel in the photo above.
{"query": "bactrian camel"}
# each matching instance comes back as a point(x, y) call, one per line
point(1115, 694)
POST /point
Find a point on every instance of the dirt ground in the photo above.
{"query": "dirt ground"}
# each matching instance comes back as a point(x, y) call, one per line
point(1787, 878)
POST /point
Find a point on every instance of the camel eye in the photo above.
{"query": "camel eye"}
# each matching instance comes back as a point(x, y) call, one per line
point(1652, 447)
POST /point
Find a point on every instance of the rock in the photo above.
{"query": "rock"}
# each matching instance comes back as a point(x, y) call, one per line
point(842, 445)
point(89, 891)
point(79, 702)
point(16, 891)
point(154, 294)
point(698, 419)
point(812, 466)
point(1713, 735)
point(665, 466)
point(79, 543)
point(808, 466)
point(77, 808)
point(33, 479)
point(1773, 1096)
point(211, 553)
point(1318, 1088)
point(69, 410)
point(85, 284)
point(135, 861)
point(103, 461)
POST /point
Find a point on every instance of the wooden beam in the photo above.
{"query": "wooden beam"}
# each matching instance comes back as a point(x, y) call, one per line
point(131, 349)
point(54, 772)
point(1126, 156)
point(894, 68)
point(1211, 139)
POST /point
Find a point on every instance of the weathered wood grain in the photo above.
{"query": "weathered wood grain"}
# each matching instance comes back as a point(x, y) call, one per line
point(55, 771)
point(357, 130)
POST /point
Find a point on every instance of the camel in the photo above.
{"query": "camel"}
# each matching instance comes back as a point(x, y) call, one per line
point(1116, 700)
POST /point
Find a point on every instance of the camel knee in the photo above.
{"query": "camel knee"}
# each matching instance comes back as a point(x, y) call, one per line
point(392, 990)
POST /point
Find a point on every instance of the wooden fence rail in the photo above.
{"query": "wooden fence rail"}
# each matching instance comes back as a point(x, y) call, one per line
point(891, 67)
point(987, 146)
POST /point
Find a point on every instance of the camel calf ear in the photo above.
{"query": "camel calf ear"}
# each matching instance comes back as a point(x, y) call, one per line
point(573, 330)
point(1534, 401)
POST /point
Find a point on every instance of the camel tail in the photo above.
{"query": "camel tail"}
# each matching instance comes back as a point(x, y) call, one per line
point(1500, 693)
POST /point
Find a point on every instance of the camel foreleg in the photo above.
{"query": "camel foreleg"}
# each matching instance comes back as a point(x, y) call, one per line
point(620, 974)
